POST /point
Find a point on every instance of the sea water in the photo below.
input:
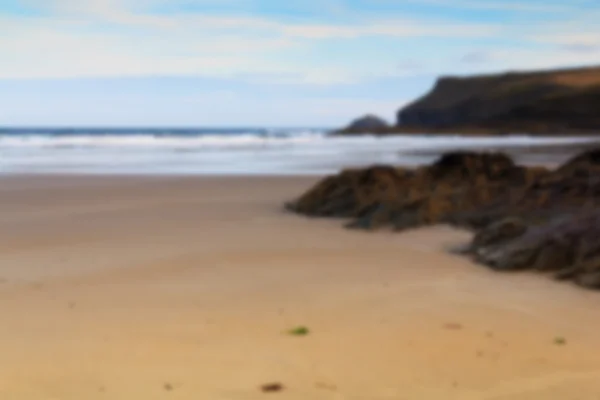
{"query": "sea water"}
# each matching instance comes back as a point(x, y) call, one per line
point(235, 151)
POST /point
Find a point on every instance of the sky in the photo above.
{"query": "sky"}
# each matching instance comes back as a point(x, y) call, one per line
point(264, 62)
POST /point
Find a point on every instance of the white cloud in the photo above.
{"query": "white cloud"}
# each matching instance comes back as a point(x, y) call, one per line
point(393, 28)
point(61, 48)
point(587, 38)
point(476, 57)
point(84, 38)
point(579, 27)
point(104, 38)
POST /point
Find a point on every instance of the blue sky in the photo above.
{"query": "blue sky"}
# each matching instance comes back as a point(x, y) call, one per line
point(263, 62)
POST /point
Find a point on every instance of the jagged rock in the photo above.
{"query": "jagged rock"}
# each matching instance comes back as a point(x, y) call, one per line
point(351, 192)
point(567, 190)
point(523, 218)
point(568, 247)
point(589, 280)
point(498, 233)
point(405, 198)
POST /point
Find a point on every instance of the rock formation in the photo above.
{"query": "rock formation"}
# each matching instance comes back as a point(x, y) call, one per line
point(542, 102)
point(569, 247)
point(367, 124)
point(522, 217)
point(458, 182)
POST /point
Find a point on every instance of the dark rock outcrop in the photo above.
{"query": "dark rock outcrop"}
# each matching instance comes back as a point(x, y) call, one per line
point(458, 182)
point(534, 102)
point(568, 247)
point(367, 124)
point(522, 217)
point(570, 188)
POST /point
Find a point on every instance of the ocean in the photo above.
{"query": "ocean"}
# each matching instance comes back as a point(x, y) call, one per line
point(241, 151)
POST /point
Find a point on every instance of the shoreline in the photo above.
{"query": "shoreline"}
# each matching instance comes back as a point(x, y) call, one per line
point(470, 132)
point(318, 155)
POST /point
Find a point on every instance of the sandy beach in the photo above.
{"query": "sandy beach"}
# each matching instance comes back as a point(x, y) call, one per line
point(147, 288)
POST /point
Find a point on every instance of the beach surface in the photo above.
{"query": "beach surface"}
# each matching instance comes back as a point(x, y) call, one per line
point(148, 288)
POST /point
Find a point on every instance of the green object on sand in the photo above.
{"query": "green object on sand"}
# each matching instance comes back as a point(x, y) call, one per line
point(560, 341)
point(299, 331)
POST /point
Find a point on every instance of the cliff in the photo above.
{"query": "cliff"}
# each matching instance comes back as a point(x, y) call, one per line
point(541, 102)
point(536, 102)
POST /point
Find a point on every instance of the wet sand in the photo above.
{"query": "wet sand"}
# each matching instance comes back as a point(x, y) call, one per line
point(182, 288)
point(549, 155)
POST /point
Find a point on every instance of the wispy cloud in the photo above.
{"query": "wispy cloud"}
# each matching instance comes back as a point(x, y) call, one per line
point(111, 38)
point(390, 28)
point(123, 38)
point(588, 38)
point(476, 57)
point(333, 44)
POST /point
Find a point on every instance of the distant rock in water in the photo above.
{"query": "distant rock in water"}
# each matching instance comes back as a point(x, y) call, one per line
point(367, 124)
point(559, 101)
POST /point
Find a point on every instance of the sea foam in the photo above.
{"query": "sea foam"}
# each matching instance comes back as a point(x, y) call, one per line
point(229, 151)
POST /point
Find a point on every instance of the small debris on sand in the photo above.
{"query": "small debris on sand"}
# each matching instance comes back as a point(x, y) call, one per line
point(299, 331)
point(271, 387)
point(560, 341)
point(168, 387)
